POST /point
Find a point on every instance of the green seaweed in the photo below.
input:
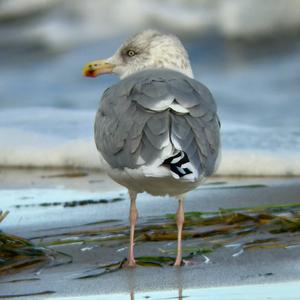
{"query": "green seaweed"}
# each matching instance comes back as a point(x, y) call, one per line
point(244, 186)
point(101, 270)
point(67, 175)
point(153, 260)
point(141, 261)
point(191, 250)
point(20, 280)
point(3, 215)
point(204, 232)
point(229, 223)
point(74, 203)
point(18, 254)
point(215, 183)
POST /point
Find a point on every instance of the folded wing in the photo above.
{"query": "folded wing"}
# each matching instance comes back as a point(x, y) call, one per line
point(159, 118)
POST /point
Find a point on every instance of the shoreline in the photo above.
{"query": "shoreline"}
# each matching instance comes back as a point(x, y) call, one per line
point(93, 231)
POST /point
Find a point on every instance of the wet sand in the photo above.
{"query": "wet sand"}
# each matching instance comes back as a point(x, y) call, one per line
point(81, 218)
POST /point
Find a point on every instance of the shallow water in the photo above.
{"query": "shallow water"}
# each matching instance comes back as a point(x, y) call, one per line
point(87, 241)
point(287, 291)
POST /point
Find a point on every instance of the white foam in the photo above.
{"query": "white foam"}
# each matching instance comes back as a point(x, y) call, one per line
point(52, 137)
point(20, 148)
point(258, 163)
point(252, 18)
point(45, 151)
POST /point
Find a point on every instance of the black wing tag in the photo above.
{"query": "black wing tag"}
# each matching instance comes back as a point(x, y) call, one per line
point(179, 165)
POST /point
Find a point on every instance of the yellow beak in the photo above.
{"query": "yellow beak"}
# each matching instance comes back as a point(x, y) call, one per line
point(97, 67)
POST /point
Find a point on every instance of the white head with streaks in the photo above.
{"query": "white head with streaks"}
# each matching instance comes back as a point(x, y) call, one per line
point(146, 50)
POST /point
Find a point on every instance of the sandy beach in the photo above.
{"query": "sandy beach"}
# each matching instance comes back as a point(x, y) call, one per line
point(79, 218)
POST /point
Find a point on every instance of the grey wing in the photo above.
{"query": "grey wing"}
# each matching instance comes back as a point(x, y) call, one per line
point(128, 135)
point(196, 132)
point(147, 121)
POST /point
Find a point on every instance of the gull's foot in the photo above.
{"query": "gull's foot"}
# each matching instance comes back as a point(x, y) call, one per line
point(181, 263)
point(130, 263)
point(178, 263)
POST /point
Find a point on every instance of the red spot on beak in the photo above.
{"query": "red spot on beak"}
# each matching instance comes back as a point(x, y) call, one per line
point(90, 73)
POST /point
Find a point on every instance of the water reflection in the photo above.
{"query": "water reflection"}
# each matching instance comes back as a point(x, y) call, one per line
point(275, 291)
point(175, 294)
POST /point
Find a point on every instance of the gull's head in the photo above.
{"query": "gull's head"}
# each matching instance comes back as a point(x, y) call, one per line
point(147, 50)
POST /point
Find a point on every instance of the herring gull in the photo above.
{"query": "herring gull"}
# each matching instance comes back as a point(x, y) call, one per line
point(157, 128)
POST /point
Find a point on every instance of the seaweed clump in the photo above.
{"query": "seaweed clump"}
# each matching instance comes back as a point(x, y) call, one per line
point(18, 254)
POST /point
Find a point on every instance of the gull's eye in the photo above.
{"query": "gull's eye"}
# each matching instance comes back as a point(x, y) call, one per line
point(131, 53)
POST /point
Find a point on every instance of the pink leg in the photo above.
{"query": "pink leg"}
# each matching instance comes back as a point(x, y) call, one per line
point(133, 215)
point(179, 222)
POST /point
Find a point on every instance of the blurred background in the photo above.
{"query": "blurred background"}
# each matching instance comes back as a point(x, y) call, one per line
point(246, 51)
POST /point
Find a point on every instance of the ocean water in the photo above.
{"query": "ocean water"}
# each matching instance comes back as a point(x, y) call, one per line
point(47, 108)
